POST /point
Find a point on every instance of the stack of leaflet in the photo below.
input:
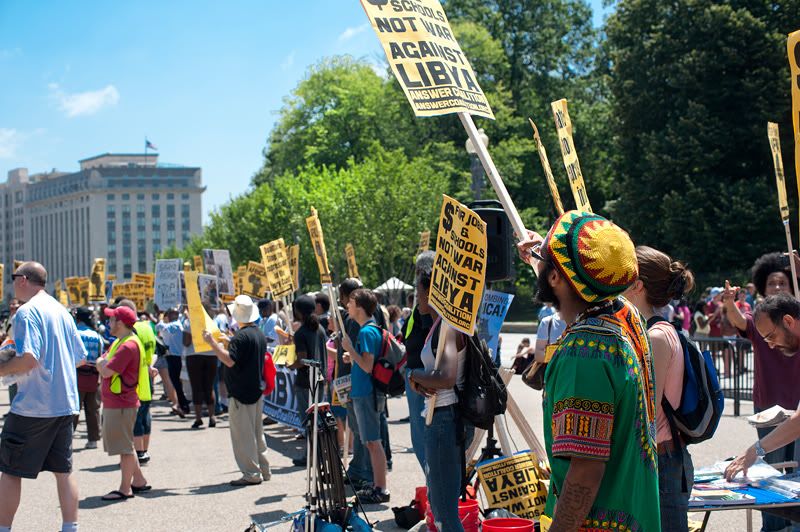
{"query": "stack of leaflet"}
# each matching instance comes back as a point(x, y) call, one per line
point(702, 497)
point(787, 485)
point(770, 417)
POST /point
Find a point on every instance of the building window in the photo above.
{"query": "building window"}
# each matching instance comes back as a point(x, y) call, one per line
point(156, 197)
point(170, 211)
point(111, 228)
point(155, 211)
point(126, 239)
point(140, 209)
point(111, 212)
point(140, 197)
point(112, 249)
point(185, 196)
point(171, 224)
point(126, 208)
point(112, 264)
point(156, 224)
point(185, 210)
point(110, 197)
point(185, 225)
point(156, 247)
point(126, 271)
point(186, 237)
point(126, 197)
point(170, 196)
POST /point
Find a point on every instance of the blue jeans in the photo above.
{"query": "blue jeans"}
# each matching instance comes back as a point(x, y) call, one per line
point(443, 457)
point(674, 498)
point(360, 467)
point(416, 403)
point(769, 522)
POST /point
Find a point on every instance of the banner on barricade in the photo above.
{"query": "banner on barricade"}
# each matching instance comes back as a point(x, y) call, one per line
point(97, 281)
point(318, 243)
point(254, 281)
point(281, 405)
point(494, 307)
point(513, 483)
point(167, 283)
point(276, 265)
point(459, 268)
point(426, 59)
point(570, 156)
point(352, 266)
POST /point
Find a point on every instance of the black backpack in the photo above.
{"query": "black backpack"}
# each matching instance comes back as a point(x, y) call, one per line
point(482, 395)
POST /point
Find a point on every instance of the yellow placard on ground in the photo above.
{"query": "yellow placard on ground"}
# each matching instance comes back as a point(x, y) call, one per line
point(254, 280)
point(426, 58)
point(352, 266)
point(318, 243)
point(459, 269)
point(548, 173)
point(276, 264)
point(777, 159)
point(513, 483)
point(198, 317)
point(294, 264)
point(198, 264)
point(284, 355)
point(424, 242)
point(570, 156)
point(148, 281)
point(97, 281)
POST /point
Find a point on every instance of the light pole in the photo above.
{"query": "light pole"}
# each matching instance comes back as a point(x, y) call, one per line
point(475, 167)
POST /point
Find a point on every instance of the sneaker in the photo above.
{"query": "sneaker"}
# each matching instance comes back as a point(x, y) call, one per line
point(373, 495)
point(245, 482)
point(91, 444)
point(144, 457)
point(198, 424)
point(266, 473)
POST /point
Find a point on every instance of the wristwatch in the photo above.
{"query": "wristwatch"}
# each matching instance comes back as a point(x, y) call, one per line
point(760, 452)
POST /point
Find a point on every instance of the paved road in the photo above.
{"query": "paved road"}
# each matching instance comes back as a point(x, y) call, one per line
point(190, 471)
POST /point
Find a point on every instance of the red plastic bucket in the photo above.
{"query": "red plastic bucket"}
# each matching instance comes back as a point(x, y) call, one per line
point(508, 524)
point(468, 513)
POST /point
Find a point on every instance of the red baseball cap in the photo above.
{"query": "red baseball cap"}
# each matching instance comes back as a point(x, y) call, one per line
point(123, 314)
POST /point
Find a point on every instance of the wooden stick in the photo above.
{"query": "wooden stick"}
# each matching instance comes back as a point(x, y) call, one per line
point(791, 258)
point(439, 354)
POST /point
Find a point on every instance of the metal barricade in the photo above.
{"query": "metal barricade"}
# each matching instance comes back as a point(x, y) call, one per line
point(734, 361)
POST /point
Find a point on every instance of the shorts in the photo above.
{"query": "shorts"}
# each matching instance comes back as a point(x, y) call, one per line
point(161, 363)
point(118, 430)
point(33, 444)
point(368, 411)
point(144, 420)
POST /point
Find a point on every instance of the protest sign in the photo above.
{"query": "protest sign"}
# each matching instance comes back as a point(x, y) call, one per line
point(147, 281)
point(241, 271)
point(276, 264)
point(198, 317)
point(424, 242)
point(209, 291)
point(187, 266)
point(133, 291)
point(570, 156)
point(254, 281)
point(513, 483)
point(294, 264)
point(426, 59)
point(60, 293)
point(2, 281)
point(73, 290)
point(218, 264)
point(281, 404)
point(197, 261)
point(341, 389)
point(284, 355)
point(352, 267)
point(318, 243)
point(17, 264)
point(783, 203)
point(83, 288)
point(459, 269)
point(168, 283)
point(494, 307)
point(97, 281)
point(793, 48)
point(548, 173)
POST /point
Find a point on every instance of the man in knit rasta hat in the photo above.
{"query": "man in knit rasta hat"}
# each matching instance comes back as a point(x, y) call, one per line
point(599, 402)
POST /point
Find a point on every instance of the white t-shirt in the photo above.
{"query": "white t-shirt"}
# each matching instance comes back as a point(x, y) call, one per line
point(444, 397)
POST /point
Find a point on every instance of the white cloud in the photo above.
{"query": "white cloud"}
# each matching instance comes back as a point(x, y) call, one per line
point(289, 61)
point(351, 32)
point(9, 141)
point(84, 103)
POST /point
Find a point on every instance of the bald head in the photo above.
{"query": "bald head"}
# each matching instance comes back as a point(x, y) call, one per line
point(33, 272)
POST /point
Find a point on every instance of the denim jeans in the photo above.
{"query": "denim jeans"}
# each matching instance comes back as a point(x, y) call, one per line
point(416, 403)
point(769, 522)
point(443, 448)
point(360, 467)
point(672, 469)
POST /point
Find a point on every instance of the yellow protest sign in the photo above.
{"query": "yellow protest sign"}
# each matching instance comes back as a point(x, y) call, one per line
point(148, 281)
point(254, 280)
point(276, 264)
point(352, 267)
point(187, 266)
point(294, 264)
point(17, 264)
point(775, 146)
point(570, 156)
point(513, 483)
point(426, 58)
point(318, 243)
point(424, 242)
point(97, 281)
point(284, 355)
point(198, 317)
point(198, 263)
point(83, 288)
point(73, 290)
point(793, 48)
point(548, 173)
point(131, 290)
point(240, 273)
point(459, 268)
point(60, 293)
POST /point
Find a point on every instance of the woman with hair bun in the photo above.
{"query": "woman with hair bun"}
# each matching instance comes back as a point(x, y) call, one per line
point(661, 280)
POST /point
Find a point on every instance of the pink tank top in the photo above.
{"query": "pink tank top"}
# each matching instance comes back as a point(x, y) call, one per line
point(673, 385)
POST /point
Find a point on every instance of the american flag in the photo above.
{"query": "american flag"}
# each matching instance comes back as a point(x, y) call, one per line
point(149, 145)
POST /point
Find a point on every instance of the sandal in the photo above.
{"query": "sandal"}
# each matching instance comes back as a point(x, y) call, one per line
point(178, 413)
point(140, 489)
point(116, 495)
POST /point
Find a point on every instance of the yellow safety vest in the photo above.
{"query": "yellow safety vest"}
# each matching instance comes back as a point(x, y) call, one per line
point(116, 380)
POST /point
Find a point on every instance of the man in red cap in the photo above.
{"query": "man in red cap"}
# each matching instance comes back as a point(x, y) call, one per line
point(119, 368)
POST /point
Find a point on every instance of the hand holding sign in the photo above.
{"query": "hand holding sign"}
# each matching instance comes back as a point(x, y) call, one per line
point(528, 249)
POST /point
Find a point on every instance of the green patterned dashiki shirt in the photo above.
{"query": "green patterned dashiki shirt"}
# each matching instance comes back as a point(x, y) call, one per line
point(600, 401)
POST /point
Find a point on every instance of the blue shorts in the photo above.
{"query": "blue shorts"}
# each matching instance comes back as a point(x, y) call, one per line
point(368, 411)
point(144, 420)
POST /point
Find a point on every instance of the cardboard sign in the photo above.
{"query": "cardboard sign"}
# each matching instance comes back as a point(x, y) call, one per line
point(281, 404)
point(218, 264)
point(570, 156)
point(548, 173)
point(513, 483)
point(793, 48)
point(133, 291)
point(426, 58)
point(318, 243)
point(494, 308)
point(424, 242)
point(254, 281)
point(60, 294)
point(459, 268)
point(284, 355)
point(241, 271)
point(187, 266)
point(198, 317)
point(17, 264)
point(73, 290)
point(777, 159)
point(147, 280)
point(352, 267)
point(97, 281)
point(209, 292)
point(197, 261)
point(276, 264)
point(167, 283)
point(341, 389)
point(294, 264)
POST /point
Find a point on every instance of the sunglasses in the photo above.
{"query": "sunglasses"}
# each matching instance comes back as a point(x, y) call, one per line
point(15, 276)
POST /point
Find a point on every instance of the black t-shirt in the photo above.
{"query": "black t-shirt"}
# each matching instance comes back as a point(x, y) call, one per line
point(245, 379)
point(415, 341)
point(309, 344)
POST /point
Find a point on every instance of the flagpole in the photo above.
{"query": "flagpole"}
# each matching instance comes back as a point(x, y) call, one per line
point(145, 151)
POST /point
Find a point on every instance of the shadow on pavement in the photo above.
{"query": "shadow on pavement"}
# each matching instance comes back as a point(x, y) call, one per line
point(102, 468)
point(215, 488)
point(271, 499)
point(269, 517)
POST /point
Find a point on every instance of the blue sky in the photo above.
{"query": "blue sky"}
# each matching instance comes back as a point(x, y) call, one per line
point(202, 80)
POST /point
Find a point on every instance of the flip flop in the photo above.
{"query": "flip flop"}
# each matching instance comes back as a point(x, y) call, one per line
point(140, 489)
point(116, 495)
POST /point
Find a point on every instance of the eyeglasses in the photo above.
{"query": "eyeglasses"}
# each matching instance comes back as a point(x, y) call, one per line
point(767, 336)
point(15, 276)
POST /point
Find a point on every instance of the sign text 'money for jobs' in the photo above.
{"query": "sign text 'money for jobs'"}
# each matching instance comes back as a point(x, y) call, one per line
point(426, 58)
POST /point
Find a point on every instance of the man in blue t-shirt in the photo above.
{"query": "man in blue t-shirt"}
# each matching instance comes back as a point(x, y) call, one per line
point(37, 434)
point(367, 404)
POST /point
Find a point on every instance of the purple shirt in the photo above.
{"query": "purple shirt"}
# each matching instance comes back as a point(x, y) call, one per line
point(776, 375)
